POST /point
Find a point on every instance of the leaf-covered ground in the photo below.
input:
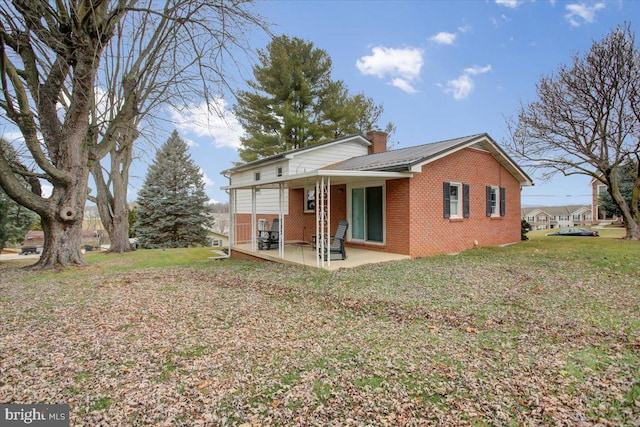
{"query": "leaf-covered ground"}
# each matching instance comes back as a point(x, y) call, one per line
point(533, 334)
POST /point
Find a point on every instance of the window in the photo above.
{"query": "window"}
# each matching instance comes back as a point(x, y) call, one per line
point(496, 201)
point(576, 217)
point(256, 176)
point(601, 189)
point(279, 171)
point(309, 199)
point(564, 218)
point(455, 200)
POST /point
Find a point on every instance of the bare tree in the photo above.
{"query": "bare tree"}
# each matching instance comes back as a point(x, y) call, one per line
point(157, 60)
point(52, 57)
point(587, 120)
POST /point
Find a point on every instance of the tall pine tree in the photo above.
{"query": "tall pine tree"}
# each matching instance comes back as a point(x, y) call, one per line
point(171, 204)
point(293, 102)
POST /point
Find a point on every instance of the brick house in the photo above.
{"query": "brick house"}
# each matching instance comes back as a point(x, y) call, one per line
point(443, 197)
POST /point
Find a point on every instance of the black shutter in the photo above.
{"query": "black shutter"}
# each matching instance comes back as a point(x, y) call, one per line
point(446, 191)
point(488, 201)
point(503, 201)
point(465, 198)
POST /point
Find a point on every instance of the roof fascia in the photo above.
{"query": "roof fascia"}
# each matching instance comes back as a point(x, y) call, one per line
point(318, 174)
point(493, 148)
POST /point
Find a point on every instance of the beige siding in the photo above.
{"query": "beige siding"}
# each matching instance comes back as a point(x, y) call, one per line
point(324, 156)
point(267, 173)
point(266, 201)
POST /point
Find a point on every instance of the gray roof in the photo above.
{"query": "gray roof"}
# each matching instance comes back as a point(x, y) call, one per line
point(555, 210)
point(404, 158)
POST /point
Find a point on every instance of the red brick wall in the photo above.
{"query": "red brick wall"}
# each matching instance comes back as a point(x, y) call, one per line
point(414, 209)
point(398, 227)
point(433, 234)
point(300, 225)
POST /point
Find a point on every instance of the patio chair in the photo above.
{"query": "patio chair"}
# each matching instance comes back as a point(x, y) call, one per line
point(336, 248)
point(266, 238)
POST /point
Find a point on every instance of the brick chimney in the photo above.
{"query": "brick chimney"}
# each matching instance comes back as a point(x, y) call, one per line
point(378, 141)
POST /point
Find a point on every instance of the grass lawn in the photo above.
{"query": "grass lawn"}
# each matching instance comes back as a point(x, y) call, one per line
point(546, 332)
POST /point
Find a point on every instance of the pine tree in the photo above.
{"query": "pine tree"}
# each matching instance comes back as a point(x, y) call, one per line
point(171, 204)
point(293, 102)
point(15, 220)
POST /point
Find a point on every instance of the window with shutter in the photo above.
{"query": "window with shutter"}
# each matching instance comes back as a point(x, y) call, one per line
point(453, 199)
point(446, 199)
point(465, 191)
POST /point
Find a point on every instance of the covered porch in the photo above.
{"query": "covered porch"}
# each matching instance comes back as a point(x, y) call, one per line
point(330, 196)
point(302, 254)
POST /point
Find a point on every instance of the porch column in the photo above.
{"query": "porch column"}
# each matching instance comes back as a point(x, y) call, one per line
point(254, 231)
point(281, 222)
point(323, 221)
point(232, 217)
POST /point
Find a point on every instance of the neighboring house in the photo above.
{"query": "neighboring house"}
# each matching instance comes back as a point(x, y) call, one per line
point(217, 240)
point(546, 217)
point(436, 198)
point(89, 238)
point(599, 215)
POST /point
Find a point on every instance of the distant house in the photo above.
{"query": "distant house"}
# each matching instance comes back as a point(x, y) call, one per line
point(89, 238)
point(436, 198)
point(546, 217)
point(600, 216)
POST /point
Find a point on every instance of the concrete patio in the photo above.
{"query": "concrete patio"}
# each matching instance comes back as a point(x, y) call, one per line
point(300, 253)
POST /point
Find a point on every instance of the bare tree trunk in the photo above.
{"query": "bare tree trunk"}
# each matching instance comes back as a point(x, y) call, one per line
point(62, 245)
point(113, 208)
point(62, 226)
point(629, 214)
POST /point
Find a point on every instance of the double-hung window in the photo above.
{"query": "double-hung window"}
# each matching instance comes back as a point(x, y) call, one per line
point(455, 200)
point(496, 203)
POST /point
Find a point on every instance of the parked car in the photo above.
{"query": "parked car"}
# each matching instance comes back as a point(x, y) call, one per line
point(574, 232)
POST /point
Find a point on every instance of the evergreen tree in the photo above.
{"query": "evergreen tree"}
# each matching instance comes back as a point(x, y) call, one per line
point(171, 204)
point(15, 220)
point(294, 103)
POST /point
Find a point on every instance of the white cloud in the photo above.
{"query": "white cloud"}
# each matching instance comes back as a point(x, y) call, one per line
point(213, 120)
point(403, 84)
point(401, 66)
point(580, 13)
point(475, 70)
point(208, 182)
point(47, 190)
point(462, 87)
point(509, 3)
point(444, 38)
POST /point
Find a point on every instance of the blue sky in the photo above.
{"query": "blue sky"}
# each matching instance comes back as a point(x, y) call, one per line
point(441, 69)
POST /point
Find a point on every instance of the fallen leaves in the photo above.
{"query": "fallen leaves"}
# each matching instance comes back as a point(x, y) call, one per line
point(417, 343)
